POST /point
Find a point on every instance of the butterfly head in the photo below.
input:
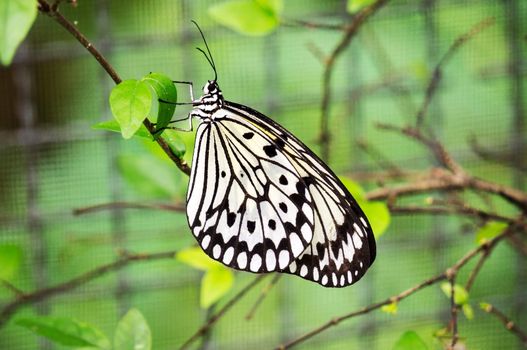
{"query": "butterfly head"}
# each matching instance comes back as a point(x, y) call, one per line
point(211, 88)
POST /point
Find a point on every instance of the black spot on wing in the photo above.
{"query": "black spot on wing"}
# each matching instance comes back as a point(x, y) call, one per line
point(231, 219)
point(248, 135)
point(270, 150)
point(283, 180)
point(283, 207)
point(272, 224)
point(251, 225)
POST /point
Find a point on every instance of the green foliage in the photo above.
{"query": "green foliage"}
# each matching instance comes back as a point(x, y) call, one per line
point(66, 331)
point(377, 212)
point(354, 6)
point(216, 282)
point(390, 308)
point(130, 102)
point(133, 332)
point(10, 259)
point(17, 18)
point(113, 125)
point(410, 341)
point(148, 176)
point(461, 297)
point(490, 230)
point(250, 17)
point(166, 91)
point(175, 142)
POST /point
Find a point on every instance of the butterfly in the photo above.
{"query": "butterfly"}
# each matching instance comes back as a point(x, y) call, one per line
point(260, 200)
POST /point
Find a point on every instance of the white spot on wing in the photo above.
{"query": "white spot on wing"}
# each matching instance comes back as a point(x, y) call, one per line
point(357, 241)
point(256, 262)
point(205, 242)
point(283, 259)
point(363, 222)
point(270, 260)
point(296, 244)
point(242, 260)
point(303, 271)
point(227, 257)
point(324, 280)
point(216, 251)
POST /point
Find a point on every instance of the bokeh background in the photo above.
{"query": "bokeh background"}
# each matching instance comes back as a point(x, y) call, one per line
point(52, 162)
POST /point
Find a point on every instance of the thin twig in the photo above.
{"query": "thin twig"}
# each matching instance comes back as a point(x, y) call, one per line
point(54, 13)
point(507, 322)
point(403, 295)
point(350, 31)
point(8, 285)
point(214, 318)
point(437, 72)
point(178, 207)
point(43, 294)
point(453, 311)
point(291, 22)
point(263, 295)
point(437, 149)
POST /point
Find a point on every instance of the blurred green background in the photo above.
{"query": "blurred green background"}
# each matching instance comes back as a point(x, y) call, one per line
point(52, 162)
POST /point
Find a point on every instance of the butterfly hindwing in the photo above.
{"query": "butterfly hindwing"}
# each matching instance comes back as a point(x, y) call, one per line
point(343, 246)
point(247, 205)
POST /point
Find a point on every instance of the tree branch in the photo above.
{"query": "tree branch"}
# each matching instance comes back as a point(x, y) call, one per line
point(507, 322)
point(403, 295)
point(46, 293)
point(53, 12)
point(349, 32)
point(214, 318)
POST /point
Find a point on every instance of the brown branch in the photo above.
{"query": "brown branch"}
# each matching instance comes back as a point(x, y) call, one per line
point(460, 211)
point(507, 322)
point(53, 12)
point(43, 294)
point(453, 311)
point(437, 149)
point(437, 72)
point(350, 31)
point(505, 158)
point(178, 207)
point(445, 181)
point(291, 22)
point(263, 295)
point(214, 318)
point(396, 298)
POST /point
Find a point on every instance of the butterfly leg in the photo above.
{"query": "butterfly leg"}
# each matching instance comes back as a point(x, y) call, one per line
point(191, 87)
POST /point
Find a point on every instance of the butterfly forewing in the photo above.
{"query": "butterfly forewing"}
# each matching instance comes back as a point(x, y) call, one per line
point(247, 204)
point(343, 246)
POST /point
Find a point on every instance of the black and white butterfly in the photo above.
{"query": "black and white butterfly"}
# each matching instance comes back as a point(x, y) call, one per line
point(260, 200)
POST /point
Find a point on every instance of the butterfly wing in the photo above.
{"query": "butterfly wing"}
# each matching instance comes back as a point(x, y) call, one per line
point(247, 205)
point(343, 245)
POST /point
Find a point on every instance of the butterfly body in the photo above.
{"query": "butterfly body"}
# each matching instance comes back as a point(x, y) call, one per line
point(259, 200)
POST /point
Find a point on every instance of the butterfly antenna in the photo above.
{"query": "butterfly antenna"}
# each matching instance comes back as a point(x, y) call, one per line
point(209, 57)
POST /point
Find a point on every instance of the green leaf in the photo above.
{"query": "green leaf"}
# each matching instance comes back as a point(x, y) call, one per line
point(175, 142)
point(148, 176)
point(165, 90)
point(410, 341)
point(250, 17)
point(274, 6)
point(354, 6)
point(378, 215)
point(10, 259)
point(66, 331)
point(468, 311)
point(17, 17)
point(485, 307)
point(355, 189)
point(132, 332)
point(390, 308)
point(214, 285)
point(196, 258)
point(130, 102)
point(113, 125)
point(461, 295)
point(490, 230)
